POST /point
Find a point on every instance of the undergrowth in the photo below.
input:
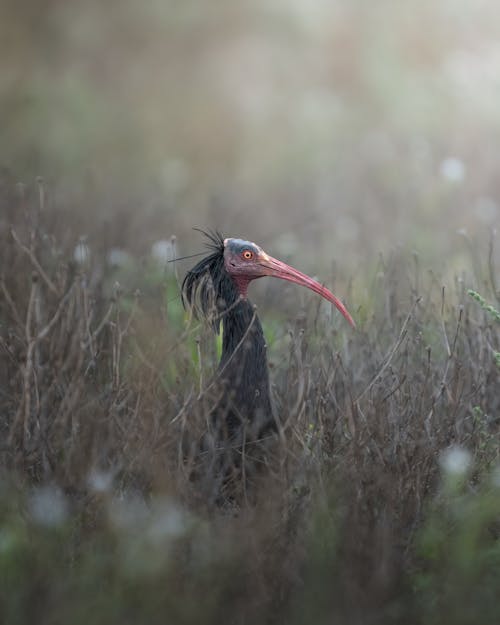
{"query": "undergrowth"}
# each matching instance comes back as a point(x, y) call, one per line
point(383, 507)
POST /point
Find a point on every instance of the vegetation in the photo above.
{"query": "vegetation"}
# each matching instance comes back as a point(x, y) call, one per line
point(385, 506)
point(359, 142)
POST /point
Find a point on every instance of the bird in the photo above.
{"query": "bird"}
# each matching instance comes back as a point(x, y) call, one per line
point(216, 289)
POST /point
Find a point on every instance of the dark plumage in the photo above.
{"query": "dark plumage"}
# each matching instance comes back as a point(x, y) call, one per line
point(216, 289)
point(213, 294)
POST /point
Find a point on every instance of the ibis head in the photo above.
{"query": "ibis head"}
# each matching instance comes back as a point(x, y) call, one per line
point(245, 261)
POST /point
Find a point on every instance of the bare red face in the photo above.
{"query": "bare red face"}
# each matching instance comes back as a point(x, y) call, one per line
point(245, 261)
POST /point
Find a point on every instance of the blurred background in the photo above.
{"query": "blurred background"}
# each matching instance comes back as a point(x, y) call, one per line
point(318, 128)
point(360, 142)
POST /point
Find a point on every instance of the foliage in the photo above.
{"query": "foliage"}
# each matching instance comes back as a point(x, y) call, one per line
point(492, 311)
point(359, 141)
point(383, 506)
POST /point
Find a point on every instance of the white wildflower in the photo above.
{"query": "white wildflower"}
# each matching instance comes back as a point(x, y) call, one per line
point(163, 251)
point(452, 169)
point(455, 461)
point(81, 253)
point(48, 506)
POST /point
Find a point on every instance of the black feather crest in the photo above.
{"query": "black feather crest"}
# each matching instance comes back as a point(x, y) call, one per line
point(207, 288)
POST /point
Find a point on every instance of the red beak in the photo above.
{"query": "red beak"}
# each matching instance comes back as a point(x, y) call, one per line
point(276, 268)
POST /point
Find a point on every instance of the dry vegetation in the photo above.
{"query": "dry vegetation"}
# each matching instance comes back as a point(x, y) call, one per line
point(357, 523)
point(358, 141)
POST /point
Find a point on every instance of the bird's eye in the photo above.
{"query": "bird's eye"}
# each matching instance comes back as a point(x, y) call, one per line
point(247, 255)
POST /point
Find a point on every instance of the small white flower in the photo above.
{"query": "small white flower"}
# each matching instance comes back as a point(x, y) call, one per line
point(81, 253)
point(48, 506)
point(455, 460)
point(168, 520)
point(100, 481)
point(452, 169)
point(162, 251)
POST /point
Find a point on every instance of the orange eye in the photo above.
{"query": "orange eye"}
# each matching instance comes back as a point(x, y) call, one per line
point(247, 255)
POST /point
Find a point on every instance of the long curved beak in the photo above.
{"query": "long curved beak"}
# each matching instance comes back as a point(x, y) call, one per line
point(277, 269)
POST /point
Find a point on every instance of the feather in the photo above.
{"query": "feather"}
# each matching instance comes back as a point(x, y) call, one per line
point(207, 288)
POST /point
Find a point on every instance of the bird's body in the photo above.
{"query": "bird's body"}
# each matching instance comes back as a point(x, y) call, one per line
point(245, 375)
point(216, 288)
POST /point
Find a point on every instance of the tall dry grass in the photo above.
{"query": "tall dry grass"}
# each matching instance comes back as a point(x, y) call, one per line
point(385, 471)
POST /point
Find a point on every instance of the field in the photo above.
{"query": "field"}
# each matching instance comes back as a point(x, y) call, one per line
point(357, 149)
